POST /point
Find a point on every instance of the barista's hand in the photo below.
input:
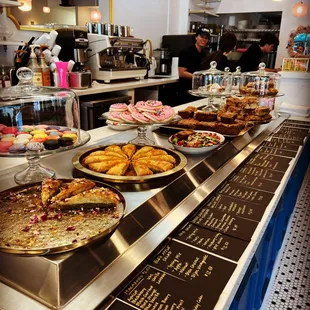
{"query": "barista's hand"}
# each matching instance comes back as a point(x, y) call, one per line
point(184, 74)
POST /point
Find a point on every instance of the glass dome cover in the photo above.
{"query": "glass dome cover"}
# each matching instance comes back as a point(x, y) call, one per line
point(36, 121)
point(260, 83)
point(212, 82)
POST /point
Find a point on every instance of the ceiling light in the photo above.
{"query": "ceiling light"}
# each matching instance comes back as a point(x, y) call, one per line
point(300, 9)
point(46, 9)
point(25, 5)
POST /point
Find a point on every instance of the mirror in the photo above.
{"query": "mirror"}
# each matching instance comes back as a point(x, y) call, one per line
point(37, 20)
point(299, 42)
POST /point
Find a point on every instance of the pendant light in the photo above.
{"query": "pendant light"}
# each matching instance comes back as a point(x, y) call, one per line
point(95, 16)
point(25, 6)
point(46, 9)
point(300, 9)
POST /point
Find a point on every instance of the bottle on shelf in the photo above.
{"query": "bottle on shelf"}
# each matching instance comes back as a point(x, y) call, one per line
point(6, 82)
point(34, 66)
point(46, 71)
point(17, 64)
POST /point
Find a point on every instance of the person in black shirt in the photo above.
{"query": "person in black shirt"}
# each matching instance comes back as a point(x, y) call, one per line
point(253, 56)
point(189, 62)
point(227, 44)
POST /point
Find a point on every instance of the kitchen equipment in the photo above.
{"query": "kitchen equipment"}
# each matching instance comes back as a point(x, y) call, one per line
point(37, 112)
point(163, 60)
point(114, 58)
point(80, 79)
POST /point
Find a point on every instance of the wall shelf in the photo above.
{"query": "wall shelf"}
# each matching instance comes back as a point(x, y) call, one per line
point(8, 3)
point(15, 43)
point(203, 13)
point(253, 30)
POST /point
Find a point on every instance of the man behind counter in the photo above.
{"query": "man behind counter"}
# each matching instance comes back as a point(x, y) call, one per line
point(189, 62)
point(253, 56)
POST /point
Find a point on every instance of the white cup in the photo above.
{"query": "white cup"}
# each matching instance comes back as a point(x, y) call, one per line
point(53, 35)
point(43, 39)
point(56, 50)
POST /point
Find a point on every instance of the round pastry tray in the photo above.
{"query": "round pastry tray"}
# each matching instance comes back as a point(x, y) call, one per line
point(181, 162)
point(70, 245)
point(207, 94)
point(84, 138)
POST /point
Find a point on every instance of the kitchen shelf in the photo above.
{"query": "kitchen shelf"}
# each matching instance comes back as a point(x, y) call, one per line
point(8, 3)
point(203, 13)
point(16, 43)
point(253, 30)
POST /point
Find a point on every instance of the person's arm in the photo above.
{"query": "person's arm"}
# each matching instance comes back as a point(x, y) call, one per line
point(183, 73)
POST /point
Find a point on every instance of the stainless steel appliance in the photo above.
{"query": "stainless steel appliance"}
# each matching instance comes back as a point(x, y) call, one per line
point(74, 46)
point(114, 58)
point(163, 60)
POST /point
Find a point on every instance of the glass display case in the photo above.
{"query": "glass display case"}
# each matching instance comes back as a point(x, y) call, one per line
point(260, 83)
point(211, 83)
point(37, 121)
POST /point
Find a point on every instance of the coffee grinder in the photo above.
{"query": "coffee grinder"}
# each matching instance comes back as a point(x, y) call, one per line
point(163, 61)
point(74, 46)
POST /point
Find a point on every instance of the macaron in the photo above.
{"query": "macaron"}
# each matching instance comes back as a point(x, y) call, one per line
point(7, 130)
point(37, 131)
point(62, 129)
point(39, 136)
point(50, 131)
point(51, 144)
point(56, 133)
point(52, 137)
point(41, 140)
point(53, 127)
point(40, 126)
point(4, 146)
point(65, 141)
point(35, 146)
point(22, 141)
point(24, 136)
point(8, 139)
point(2, 126)
point(73, 136)
point(21, 133)
point(17, 148)
point(7, 135)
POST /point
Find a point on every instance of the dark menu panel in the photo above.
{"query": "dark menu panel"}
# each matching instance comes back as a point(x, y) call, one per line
point(255, 182)
point(294, 131)
point(281, 145)
point(236, 207)
point(289, 137)
point(281, 140)
point(120, 305)
point(225, 223)
point(292, 121)
point(262, 173)
point(280, 152)
point(297, 125)
point(203, 271)
point(247, 194)
point(156, 290)
point(212, 241)
point(273, 162)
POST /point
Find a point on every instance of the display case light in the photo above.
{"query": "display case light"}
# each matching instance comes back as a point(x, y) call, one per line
point(46, 9)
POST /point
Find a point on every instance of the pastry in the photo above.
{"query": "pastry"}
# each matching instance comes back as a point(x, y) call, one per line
point(4, 146)
point(50, 187)
point(127, 117)
point(140, 118)
point(118, 107)
point(93, 198)
point(65, 141)
point(17, 148)
point(51, 144)
point(104, 166)
point(129, 150)
point(8, 130)
point(141, 169)
point(35, 146)
point(188, 112)
point(73, 188)
point(116, 149)
point(261, 111)
point(205, 116)
point(73, 136)
point(149, 106)
point(119, 169)
point(227, 117)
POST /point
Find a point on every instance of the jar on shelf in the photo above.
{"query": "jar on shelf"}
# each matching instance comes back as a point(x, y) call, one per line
point(260, 83)
point(236, 79)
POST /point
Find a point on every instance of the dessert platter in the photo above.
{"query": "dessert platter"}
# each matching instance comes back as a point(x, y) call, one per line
point(196, 142)
point(141, 114)
point(129, 163)
point(58, 215)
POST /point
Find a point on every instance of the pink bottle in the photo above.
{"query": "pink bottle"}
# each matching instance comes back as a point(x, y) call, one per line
point(62, 69)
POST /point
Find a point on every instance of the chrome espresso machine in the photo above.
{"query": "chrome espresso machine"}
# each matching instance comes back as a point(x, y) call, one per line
point(114, 58)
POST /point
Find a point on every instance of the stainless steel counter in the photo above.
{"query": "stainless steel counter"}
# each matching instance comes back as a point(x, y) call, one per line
point(82, 279)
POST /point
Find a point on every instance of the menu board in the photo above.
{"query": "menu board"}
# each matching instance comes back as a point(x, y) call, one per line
point(280, 152)
point(295, 131)
point(247, 194)
point(204, 272)
point(120, 305)
point(225, 223)
point(262, 173)
point(292, 122)
point(212, 241)
point(289, 136)
point(281, 140)
point(156, 290)
point(236, 207)
point(281, 145)
point(272, 162)
point(255, 182)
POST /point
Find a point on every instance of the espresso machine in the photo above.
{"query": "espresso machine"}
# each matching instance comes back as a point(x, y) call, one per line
point(74, 46)
point(114, 58)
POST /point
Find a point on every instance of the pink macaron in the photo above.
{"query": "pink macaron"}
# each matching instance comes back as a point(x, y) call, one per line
point(4, 146)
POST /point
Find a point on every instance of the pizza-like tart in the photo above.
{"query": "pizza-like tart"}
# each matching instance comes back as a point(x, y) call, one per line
point(129, 160)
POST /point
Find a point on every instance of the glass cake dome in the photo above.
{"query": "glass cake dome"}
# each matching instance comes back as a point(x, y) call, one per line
point(260, 83)
point(37, 121)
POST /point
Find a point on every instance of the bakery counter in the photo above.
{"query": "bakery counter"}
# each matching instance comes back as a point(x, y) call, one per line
point(95, 275)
